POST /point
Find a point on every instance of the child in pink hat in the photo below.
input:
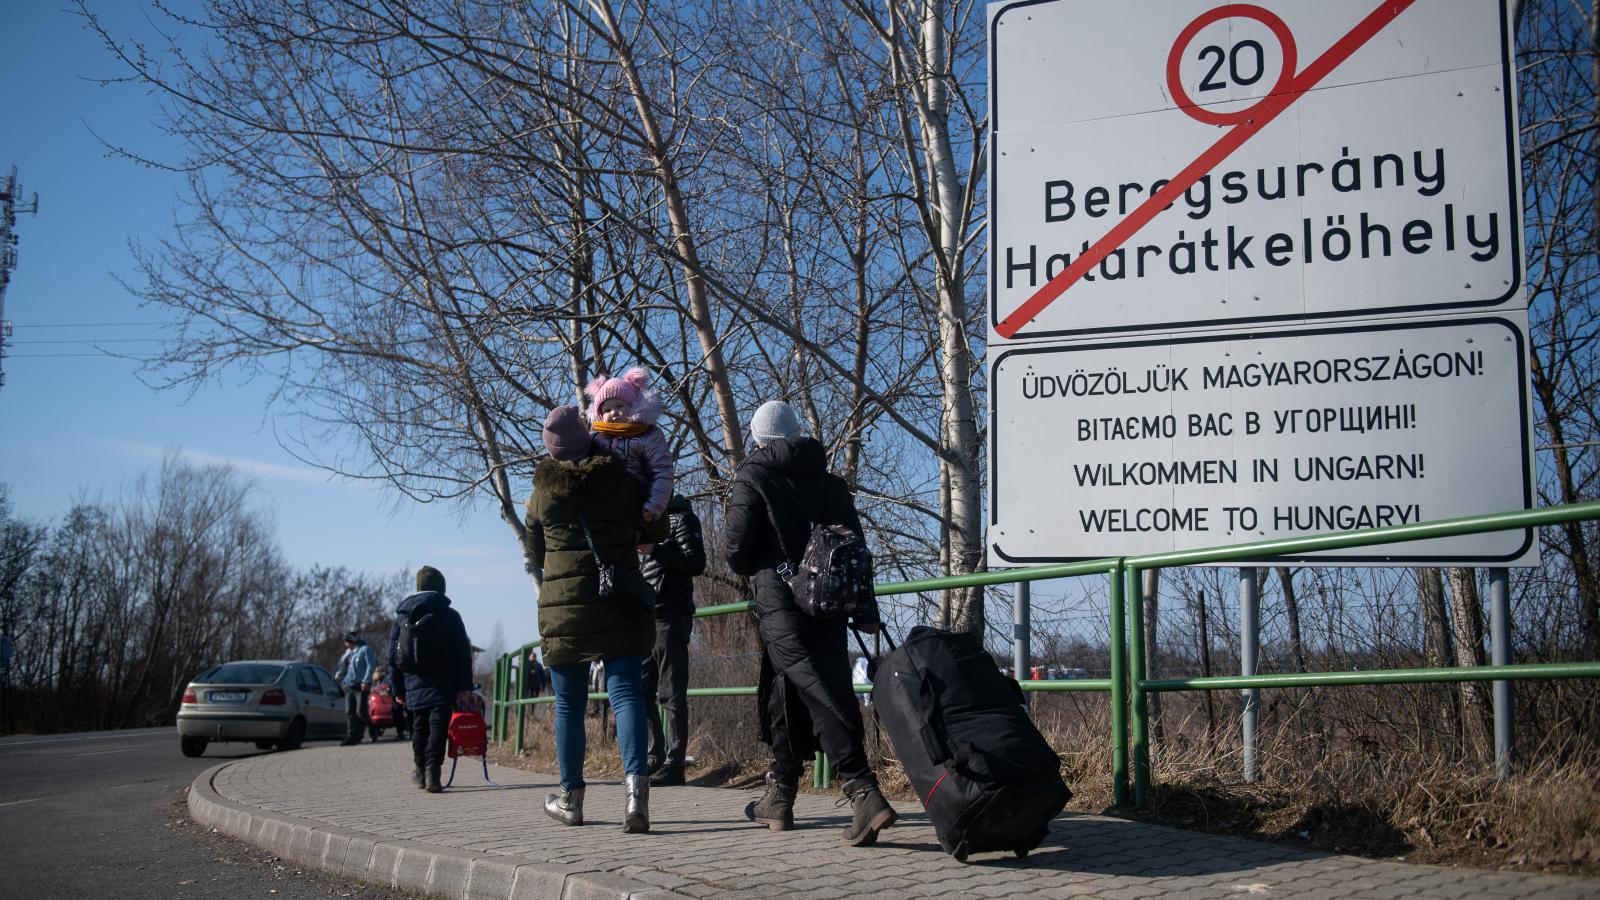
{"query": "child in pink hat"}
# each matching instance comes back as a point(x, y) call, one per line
point(623, 413)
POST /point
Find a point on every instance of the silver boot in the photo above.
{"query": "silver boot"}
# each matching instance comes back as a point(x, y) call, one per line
point(637, 818)
point(565, 806)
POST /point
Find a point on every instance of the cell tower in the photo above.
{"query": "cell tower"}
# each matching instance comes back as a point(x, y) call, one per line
point(10, 205)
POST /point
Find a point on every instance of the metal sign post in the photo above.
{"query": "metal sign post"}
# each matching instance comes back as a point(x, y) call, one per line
point(1500, 655)
point(1021, 647)
point(1249, 649)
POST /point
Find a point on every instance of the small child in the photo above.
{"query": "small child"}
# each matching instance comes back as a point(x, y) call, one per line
point(623, 413)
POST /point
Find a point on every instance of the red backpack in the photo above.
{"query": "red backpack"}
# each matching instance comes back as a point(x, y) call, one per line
point(469, 736)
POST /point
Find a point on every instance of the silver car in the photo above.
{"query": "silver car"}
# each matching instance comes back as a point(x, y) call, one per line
point(271, 702)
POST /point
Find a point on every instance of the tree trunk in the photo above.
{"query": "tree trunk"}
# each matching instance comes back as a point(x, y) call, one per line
point(1467, 617)
point(1205, 669)
point(1436, 646)
point(946, 205)
point(1291, 606)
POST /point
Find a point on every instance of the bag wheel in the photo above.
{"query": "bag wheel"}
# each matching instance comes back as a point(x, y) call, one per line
point(1021, 853)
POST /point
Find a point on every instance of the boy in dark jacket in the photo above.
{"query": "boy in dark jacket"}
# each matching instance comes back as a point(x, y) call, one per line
point(671, 567)
point(430, 697)
point(805, 686)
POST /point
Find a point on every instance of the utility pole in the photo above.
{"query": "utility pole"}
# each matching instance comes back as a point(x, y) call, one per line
point(10, 204)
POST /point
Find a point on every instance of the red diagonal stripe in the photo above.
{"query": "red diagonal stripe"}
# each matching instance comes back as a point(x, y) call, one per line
point(1265, 111)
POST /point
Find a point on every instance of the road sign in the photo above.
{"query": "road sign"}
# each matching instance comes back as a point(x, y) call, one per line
point(1146, 446)
point(1184, 165)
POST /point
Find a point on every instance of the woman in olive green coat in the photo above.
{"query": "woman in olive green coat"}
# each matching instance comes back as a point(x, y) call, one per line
point(580, 485)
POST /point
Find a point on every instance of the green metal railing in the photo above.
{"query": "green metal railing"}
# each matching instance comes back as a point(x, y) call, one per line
point(1128, 685)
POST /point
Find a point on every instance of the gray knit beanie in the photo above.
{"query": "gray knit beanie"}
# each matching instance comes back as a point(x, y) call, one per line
point(775, 420)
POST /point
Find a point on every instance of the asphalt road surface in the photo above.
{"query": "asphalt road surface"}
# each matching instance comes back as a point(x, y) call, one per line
point(102, 815)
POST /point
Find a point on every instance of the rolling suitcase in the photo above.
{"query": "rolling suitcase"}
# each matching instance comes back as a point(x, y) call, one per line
point(985, 774)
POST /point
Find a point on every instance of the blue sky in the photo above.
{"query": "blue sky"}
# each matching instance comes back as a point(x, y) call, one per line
point(76, 422)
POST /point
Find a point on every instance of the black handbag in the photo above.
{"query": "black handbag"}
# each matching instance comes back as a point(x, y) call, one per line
point(618, 583)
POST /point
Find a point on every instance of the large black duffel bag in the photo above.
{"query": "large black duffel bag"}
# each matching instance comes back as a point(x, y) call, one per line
point(982, 770)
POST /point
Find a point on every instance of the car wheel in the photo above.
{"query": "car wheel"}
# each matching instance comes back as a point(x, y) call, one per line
point(265, 745)
point(295, 737)
point(192, 746)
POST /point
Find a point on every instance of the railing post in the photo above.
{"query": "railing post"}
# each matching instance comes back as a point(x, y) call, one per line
point(505, 693)
point(1500, 655)
point(1249, 646)
point(521, 694)
point(1141, 714)
point(820, 771)
point(1021, 645)
point(498, 704)
point(1119, 687)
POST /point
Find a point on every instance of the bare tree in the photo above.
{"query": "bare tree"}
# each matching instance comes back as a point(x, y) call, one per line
point(1466, 617)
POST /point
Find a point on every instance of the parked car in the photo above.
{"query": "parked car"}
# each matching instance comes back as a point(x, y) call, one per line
point(271, 702)
point(385, 711)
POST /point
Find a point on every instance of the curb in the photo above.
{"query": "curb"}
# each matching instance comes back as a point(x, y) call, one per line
point(430, 869)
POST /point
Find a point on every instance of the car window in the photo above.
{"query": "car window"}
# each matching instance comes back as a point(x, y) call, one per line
point(242, 673)
point(329, 686)
point(307, 682)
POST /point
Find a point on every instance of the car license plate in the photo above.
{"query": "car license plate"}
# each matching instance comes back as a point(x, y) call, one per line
point(228, 696)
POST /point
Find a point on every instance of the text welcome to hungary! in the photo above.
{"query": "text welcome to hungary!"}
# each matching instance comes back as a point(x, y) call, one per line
point(1316, 518)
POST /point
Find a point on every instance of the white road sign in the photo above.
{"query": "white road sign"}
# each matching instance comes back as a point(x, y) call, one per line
point(1222, 438)
point(1189, 163)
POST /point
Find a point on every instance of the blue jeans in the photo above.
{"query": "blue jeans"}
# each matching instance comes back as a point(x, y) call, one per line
point(625, 684)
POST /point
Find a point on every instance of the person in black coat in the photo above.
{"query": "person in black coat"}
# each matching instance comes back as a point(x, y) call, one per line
point(779, 492)
point(430, 697)
point(671, 567)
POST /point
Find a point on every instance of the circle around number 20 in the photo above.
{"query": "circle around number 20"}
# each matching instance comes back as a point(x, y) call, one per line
point(1232, 10)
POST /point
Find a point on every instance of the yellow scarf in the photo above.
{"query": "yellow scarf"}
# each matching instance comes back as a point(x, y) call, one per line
point(621, 429)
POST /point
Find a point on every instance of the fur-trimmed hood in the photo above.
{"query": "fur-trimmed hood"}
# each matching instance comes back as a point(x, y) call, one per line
point(557, 479)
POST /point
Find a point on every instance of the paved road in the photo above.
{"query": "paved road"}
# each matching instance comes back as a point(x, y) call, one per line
point(101, 815)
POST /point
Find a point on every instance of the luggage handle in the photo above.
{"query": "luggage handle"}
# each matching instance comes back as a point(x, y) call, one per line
point(928, 730)
point(872, 658)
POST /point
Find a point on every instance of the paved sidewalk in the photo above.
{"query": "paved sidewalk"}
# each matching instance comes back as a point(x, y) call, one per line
point(352, 810)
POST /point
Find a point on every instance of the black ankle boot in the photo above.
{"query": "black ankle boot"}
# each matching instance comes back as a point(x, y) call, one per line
point(418, 778)
point(667, 776)
point(871, 812)
point(775, 809)
point(434, 786)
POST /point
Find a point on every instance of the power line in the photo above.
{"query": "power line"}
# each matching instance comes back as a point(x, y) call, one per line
point(85, 341)
point(81, 356)
point(92, 324)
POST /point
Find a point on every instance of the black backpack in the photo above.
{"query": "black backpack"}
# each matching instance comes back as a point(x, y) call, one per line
point(834, 577)
point(423, 646)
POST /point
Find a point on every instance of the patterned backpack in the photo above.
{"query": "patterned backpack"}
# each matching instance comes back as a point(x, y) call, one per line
point(834, 577)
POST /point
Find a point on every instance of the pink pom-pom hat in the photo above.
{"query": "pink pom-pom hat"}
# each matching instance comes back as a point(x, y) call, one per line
point(632, 388)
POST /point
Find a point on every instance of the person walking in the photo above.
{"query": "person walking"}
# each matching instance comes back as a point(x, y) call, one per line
point(430, 671)
point(804, 688)
point(354, 674)
point(671, 566)
point(585, 511)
